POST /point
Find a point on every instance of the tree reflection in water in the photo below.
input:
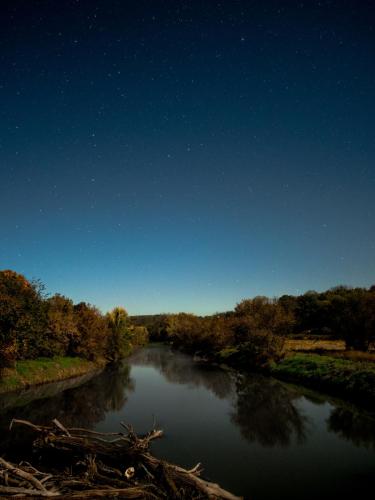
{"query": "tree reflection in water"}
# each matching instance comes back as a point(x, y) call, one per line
point(83, 406)
point(179, 368)
point(352, 425)
point(265, 411)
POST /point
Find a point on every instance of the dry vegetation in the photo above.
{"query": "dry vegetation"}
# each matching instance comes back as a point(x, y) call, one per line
point(314, 344)
point(334, 348)
point(81, 463)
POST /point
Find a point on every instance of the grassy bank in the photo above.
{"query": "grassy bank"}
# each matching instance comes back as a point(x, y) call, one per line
point(347, 378)
point(43, 370)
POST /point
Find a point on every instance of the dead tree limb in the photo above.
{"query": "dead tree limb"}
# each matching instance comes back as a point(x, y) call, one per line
point(104, 465)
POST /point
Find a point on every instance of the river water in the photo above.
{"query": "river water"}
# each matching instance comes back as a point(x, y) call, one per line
point(256, 436)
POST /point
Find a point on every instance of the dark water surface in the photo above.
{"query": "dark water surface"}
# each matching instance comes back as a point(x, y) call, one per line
point(256, 436)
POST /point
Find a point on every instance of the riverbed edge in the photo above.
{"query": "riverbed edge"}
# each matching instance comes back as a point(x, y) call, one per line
point(353, 381)
point(15, 379)
point(350, 380)
point(32, 373)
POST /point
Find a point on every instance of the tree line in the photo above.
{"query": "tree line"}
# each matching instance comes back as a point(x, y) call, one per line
point(254, 332)
point(33, 325)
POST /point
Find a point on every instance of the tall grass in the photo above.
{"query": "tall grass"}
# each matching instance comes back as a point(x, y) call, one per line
point(350, 378)
point(42, 370)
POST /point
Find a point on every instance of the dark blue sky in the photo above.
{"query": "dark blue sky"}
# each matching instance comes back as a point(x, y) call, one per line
point(173, 155)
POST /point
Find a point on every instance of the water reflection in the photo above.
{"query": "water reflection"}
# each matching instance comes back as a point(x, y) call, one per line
point(266, 412)
point(179, 368)
point(353, 426)
point(83, 406)
point(264, 409)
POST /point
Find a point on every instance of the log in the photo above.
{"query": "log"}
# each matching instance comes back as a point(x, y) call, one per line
point(24, 475)
point(191, 477)
point(26, 492)
point(104, 465)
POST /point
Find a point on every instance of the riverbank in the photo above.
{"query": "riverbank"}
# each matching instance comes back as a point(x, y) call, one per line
point(38, 371)
point(219, 417)
point(348, 375)
point(346, 378)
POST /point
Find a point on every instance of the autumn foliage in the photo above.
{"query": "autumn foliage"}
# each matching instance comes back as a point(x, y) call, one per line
point(33, 325)
point(254, 333)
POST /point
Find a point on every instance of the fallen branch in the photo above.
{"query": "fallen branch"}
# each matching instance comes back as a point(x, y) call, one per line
point(22, 474)
point(191, 477)
point(88, 464)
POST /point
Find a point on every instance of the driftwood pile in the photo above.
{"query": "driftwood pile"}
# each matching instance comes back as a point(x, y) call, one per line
point(80, 463)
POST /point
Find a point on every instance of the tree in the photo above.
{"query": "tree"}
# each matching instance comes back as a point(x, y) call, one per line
point(188, 329)
point(262, 313)
point(312, 313)
point(23, 316)
point(93, 333)
point(119, 337)
point(138, 335)
point(221, 331)
point(289, 304)
point(61, 326)
point(258, 347)
point(259, 326)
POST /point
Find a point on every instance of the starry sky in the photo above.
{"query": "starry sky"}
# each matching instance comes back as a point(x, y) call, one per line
point(183, 155)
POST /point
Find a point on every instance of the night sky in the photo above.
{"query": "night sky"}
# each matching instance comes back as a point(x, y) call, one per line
point(180, 156)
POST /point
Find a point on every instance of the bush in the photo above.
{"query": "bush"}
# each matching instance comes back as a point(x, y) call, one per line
point(22, 315)
point(93, 333)
point(260, 350)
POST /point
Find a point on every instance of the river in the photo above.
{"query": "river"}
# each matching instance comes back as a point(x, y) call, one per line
point(256, 436)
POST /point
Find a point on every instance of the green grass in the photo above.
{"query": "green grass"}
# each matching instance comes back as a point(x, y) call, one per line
point(42, 370)
point(354, 379)
point(226, 353)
